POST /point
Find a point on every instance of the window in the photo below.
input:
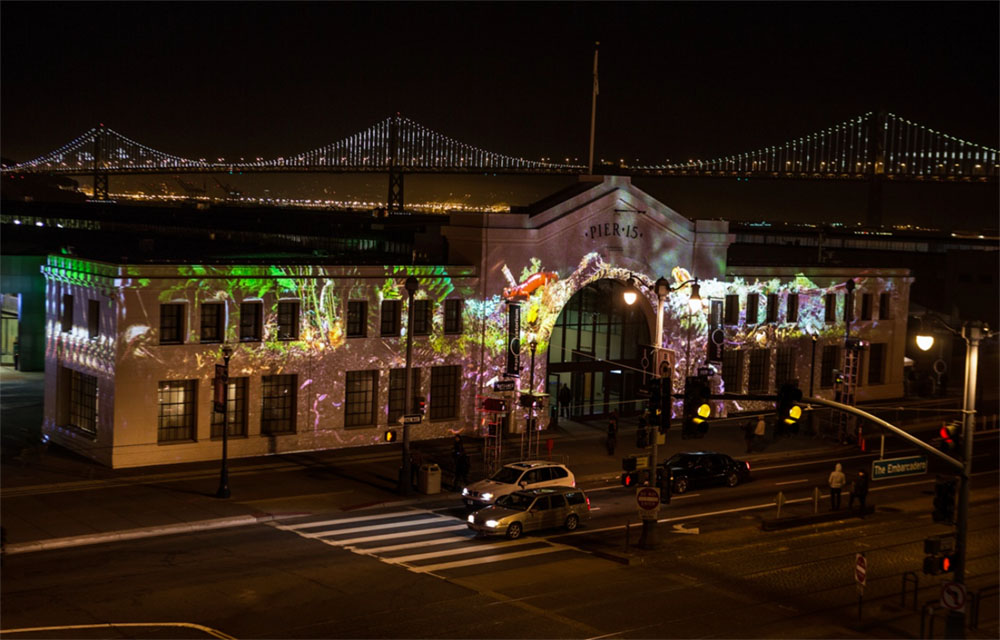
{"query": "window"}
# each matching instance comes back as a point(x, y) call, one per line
point(177, 411)
point(83, 402)
point(792, 313)
point(883, 306)
point(876, 363)
point(772, 307)
point(453, 316)
point(784, 366)
point(389, 325)
point(830, 300)
point(732, 309)
point(397, 390)
point(359, 403)
point(171, 323)
point(444, 392)
point(732, 370)
point(288, 320)
point(829, 362)
point(67, 312)
point(211, 322)
point(759, 370)
point(357, 317)
point(753, 307)
point(421, 317)
point(278, 405)
point(251, 320)
point(866, 306)
point(94, 318)
point(236, 410)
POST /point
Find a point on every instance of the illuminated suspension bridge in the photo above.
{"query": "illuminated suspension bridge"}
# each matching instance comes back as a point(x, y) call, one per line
point(873, 146)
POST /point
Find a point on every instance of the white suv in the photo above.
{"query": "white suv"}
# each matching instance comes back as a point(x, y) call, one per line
point(529, 474)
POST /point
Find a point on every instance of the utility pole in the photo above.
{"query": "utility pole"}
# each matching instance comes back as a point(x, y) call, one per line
point(405, 486)
point(593, 114)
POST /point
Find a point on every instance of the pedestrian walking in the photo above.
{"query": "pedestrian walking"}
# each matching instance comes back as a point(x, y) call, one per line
point(748, 433)
point(761, 428)
point(612, 439)
point(565, 398)
point(859, 490)
point(836, 481)
point(461, 463)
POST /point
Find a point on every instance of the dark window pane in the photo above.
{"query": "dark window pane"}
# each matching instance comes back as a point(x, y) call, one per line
point(884, 312)
point(759, 369)
point(176, 422)
point(389, 321)
point(359, 403)
point(171, 323)
point(211, 322)
point(236, 410)
point(288, 320)
point(94, 318)
point(444, 392)
point(278, 404)
point(83, 402)
point(772, 307)
point(453, 316)
point(732, 370)
point(830, 301)
point(397, 389)
point(876, 363)
point(866, 306)
point(732, 309)
point(357, 318)
point(421, 317)
point(251, 319)
point(793, 307)
point(67, 312)
point(829, 362)
point(784, 366)
point(753, 308)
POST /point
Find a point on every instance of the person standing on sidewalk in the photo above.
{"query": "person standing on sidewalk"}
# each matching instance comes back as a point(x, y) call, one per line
point(859, 490)
point(565, 398)
point(612, 439)
point(461, 463)
point(748, 433)
point(836, 482)
point(761, 428)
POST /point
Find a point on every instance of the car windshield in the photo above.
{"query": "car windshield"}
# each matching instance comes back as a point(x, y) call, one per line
point(681, 460)
point(515, 501)
point(506, 475)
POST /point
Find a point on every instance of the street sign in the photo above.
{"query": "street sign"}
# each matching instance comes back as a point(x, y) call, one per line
point(860, 569)
point(412, 418)
point(648, 501)
point(953, 596)
point(898, 467)
point(504, 385)
point(642, 462)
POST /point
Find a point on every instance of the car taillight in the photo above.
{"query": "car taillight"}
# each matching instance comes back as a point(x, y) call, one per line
point(588, 503)
point(748, 465)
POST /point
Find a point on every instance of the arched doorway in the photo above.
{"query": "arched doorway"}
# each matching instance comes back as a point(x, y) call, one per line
point(597, 349)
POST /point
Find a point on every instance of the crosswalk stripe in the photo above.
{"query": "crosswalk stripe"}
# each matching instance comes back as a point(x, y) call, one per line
point(486, 559)
point(462, 550)
point(378, 516)
point(376, 527)
point(391, 536)
point(411, 545)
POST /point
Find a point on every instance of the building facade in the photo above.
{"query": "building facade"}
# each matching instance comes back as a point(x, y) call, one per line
point(319, 349)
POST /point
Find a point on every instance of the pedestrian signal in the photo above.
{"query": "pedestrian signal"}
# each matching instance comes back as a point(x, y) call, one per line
point(788, 411)
point(944, 499)
point(630, 478)
point(389, 436)
point(935, 565)
point(421, 406)
point(697, 410)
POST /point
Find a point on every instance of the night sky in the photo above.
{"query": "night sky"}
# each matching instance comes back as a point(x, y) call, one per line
point(677, 80)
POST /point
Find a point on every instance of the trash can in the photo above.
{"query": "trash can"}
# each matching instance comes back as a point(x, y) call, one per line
point(429, 479)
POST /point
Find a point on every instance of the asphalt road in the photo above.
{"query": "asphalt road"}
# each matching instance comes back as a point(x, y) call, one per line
point(409, 572)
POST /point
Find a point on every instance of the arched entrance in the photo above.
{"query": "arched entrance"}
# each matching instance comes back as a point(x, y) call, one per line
point(596, 348)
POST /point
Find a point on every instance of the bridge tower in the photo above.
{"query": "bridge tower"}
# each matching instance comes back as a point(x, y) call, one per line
point(100, 171)
point(876, 160)
point(394, 201)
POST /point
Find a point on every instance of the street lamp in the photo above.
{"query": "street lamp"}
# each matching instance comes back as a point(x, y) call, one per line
point(973, 333)
point(223, 490)
point(661, 288)
point(405, 486)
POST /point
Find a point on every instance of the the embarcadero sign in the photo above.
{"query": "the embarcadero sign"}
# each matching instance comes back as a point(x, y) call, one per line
point(897, 467)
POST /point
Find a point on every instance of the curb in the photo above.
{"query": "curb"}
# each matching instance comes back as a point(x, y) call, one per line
point(799, 521)
point(142, 532)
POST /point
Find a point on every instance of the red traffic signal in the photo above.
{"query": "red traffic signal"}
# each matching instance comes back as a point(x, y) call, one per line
point(630, 479)
point(935, 565)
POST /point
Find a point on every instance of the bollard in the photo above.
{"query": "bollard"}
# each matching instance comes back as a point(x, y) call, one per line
point(628, 527)
point(815, 500)
point(908, 577)
point(780, 500)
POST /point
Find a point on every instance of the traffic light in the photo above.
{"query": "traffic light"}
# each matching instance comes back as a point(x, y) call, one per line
point(630, 478)
point(940, 552)
point(697, 410)
point(788, 411)
point(951, 437)
point(666, 403)
point(421, 406)
point(655, 401)
point(389, 436)
point(944, 499)
point(838, 376)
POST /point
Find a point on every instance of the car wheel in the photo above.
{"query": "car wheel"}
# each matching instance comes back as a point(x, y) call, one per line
point(514, 531)
point(572, 522)
point(732, 479)
point(680, 485)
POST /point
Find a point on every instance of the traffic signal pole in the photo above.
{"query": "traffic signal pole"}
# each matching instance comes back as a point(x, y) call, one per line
point(648, 539)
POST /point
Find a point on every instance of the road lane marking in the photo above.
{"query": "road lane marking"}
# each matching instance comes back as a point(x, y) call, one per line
point(375, 527)
point(791, 482)
point(410, 545)
point(117, 625)
point(465, 550)
point(488, 559)
point(379, 516)
point(390, 536)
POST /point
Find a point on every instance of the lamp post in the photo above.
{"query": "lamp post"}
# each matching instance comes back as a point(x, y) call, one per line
point(405, 486)
point(973, 333)
point(531, 387)
point(661, 288)
point(223, 490)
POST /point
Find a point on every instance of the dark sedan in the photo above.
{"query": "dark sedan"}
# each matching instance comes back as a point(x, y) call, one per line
point(705, 469)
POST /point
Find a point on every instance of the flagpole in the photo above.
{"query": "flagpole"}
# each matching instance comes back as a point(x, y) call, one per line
point(593, 113)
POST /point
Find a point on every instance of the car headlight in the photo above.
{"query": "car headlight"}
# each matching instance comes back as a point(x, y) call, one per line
point(491, 524)
point(465, 491)
point(486, 496)
point(471, 518)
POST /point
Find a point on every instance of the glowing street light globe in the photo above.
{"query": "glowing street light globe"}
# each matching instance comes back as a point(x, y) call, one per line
point(925, 342)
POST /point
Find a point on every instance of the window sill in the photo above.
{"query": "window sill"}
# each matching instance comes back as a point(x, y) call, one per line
point(242, 436)
point(171, 442)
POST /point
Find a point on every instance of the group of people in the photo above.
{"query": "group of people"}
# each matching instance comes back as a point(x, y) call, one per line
point(858, 489)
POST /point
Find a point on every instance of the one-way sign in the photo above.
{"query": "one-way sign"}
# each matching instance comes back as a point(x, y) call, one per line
point(412, 418)
point(504, 385)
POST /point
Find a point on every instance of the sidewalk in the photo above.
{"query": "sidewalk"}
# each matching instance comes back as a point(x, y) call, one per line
point(52, 498)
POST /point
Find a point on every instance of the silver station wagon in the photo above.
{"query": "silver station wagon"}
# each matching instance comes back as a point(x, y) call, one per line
point(544, 508)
